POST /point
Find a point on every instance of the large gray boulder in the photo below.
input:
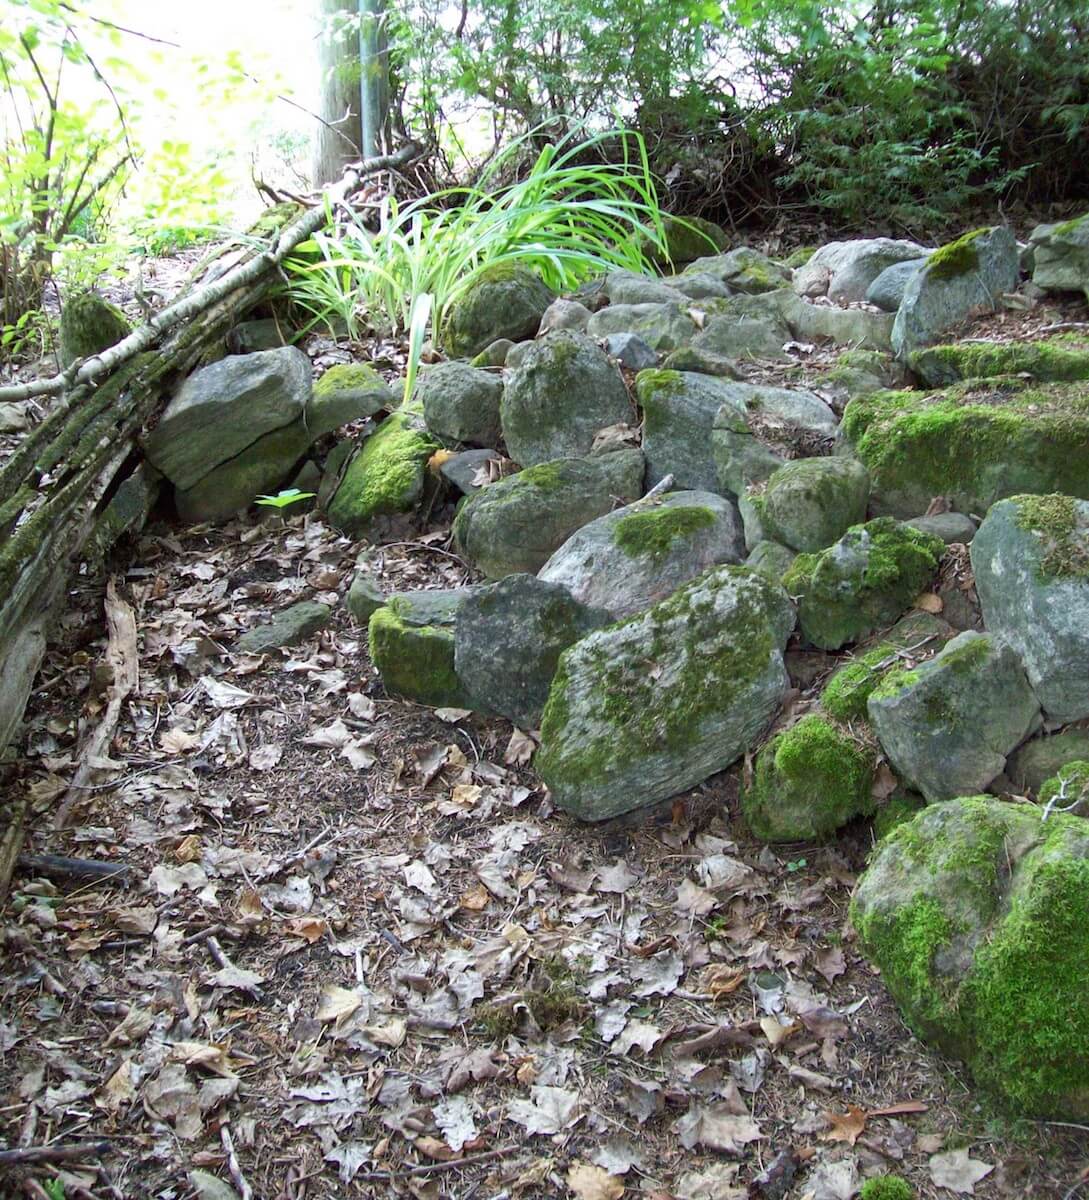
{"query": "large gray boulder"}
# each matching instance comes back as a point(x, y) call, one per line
point(565, 390)
point(947, 725)
point(741, 459)
point(970, 273)
point(663, 327)
point(645, 709)
point(508, 638)
point(844, 271)
point(887, 290)
point(976, 914)
point(223, 408)
point(461, 402)
point(516, 524)
point(503, 301)
point(627, 287)
point(811, 502)
point(632, 558)
point(679, 410)
point(1030, 558)
point(346, 392)
point(1061, 256)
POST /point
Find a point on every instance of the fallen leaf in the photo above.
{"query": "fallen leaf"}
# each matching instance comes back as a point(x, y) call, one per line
point(520, 749)
point(616, 879)
point(188, 849)
point(238, 978)
point(958, 1172)
point(776, 1031)
point(845, 1127)
point(884, 782)
point(310, 929)
point(177, 741)
point(453, 715)
point(833, 1180)
point(717, 1127)
point(896, 1110)
point(434, 1149)
point(265, 757)
point(830, 963)
point(337, 1003)
point(476, 899)
point(593, 1183)
point(930, 602)
point(454, 1117)
point(548, 1110)
point(691, 898)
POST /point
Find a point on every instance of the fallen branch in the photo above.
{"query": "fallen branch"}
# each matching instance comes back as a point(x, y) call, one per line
point(123, 660)
point(451, 1164)
point(87, 370)
point(53, 1154)
point(86, 870)
point(233, 1165)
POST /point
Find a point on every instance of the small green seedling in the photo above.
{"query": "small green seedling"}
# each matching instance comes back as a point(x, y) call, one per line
point(54, 1189)
point(284, 498)
point(799, 864)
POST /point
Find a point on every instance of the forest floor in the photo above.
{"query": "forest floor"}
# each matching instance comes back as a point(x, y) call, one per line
point(359, 953)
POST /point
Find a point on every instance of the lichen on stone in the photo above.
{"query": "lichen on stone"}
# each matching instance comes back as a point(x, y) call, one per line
point(1055, 519)
point(653, 532)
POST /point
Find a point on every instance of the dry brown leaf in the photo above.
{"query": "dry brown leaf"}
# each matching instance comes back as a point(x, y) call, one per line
point(719, 980)
point(845, 1127)
point(776, 1031)
point(337, 1003)
point(188, 849)
point(958, 1172)
point(310, 929)
point(593, 1183)
point(476, 899)
point(884, 782)
point(177, 741)
point(830, 963)
point(435, 1148)
point(896, 1110)
point(930, 602)
point(520, 749)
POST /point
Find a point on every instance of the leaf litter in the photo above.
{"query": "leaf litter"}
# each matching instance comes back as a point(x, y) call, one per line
point(361, 940)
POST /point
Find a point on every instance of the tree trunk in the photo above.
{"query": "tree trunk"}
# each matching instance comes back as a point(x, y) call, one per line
point(338, 58)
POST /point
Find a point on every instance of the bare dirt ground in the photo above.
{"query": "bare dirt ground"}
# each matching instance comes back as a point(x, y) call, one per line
point(358, 953)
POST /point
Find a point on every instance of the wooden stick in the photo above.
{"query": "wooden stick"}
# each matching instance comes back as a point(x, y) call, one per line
point(233, 1165)
point(53, 1154)
point(451, 1164)
point(55, 866)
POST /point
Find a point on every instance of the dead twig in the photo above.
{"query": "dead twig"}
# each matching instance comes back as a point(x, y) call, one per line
point(233, 1164)
point(53, 1154)
point(451, 1164)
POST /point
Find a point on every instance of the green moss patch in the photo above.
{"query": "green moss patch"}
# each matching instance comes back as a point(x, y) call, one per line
point(956, 258)
point(1063, 357)
point(1055, 520)
point(654, 532)
point(415, 661)
point(887, 1187)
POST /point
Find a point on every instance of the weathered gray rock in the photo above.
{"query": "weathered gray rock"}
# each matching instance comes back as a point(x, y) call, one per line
point(461, 402)
point(88, 325)
point(1042, 758)
point(508, 638)
point(811, 502)
point(844, 271)
point(515, 355)
point(743, 270)
point(259, 470)
point(702, 362)
point(792, 418)
point(504, 301)
point(698, 285)
point(565, 390)
point(744, 336)
point(516, 524)
point(626, 287)
point(630, 351)
point(225, 407)
point(863, 583)
point(741, 459)
point(949, 526)
point(887, 290)
point(564, 314)
point(771, 559)
point(1061, 256)
point(857, 327)
point(249, 336)
point(971, 272)
point(462, 470)
point(948, 725)
point(1030, 558)
point(288, 627)
point(975, 913)
point(386, 476)
point(632, 558)
point(645, 709)
point(365, 595)
point(495, 353)
point(422, 607)
point(663, 327)
point(679, 411)
point(346, 392)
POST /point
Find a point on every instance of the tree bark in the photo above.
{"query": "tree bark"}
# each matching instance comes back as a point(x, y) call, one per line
point(341, 140)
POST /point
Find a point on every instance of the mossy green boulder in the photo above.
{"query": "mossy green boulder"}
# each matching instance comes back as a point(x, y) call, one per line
point(862, 583)
point(633, 557)
point(346, 392)
point(386, 476)
point(502, 301)
point(1038, 760)
point(518, 522)
point(771, 559)
point(89, 325)
point(649, 707)
point(912, 640)
point(416, 659)
point(461, 403)
point(947, 725)
point(811, 502)
point(977, 914)
point(564, 391)
point(1030, 558)
point(687, 239)
point(1063, 357)
point(974, 443)
point(1061, 256)
point(807, 782)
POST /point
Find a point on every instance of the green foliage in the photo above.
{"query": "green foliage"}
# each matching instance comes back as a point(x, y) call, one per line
point(284, 498)
point(564, 219)
point(887, 1187)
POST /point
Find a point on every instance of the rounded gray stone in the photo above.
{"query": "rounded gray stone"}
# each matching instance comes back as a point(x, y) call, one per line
point(460, 402)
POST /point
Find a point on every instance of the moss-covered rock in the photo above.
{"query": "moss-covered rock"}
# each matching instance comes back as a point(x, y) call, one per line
point(977, 914)
point(286, 628)
point(461, 403)
point(562, 394)
point(89, 325)
point(517, 523)
point(741, 458)
point(644, 709)
point(807, 782)
point(1038, 760)
point(366, 594)
point(502, 301)
point(912, 640)
point(1064, 357)
point(346, 392)
point(903, 805)
point(664, 327)
point(864, 582)
point(1061, 256)
point(948, 724)
point(771, 559)
point(974, 443)
point(415, 661)
point(386, 476)
point(811, 502)
point(687, 239)
point(1030, 558)
point(635, 556)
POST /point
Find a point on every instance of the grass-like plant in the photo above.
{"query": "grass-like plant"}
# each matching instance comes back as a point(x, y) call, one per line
point(570, 216)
